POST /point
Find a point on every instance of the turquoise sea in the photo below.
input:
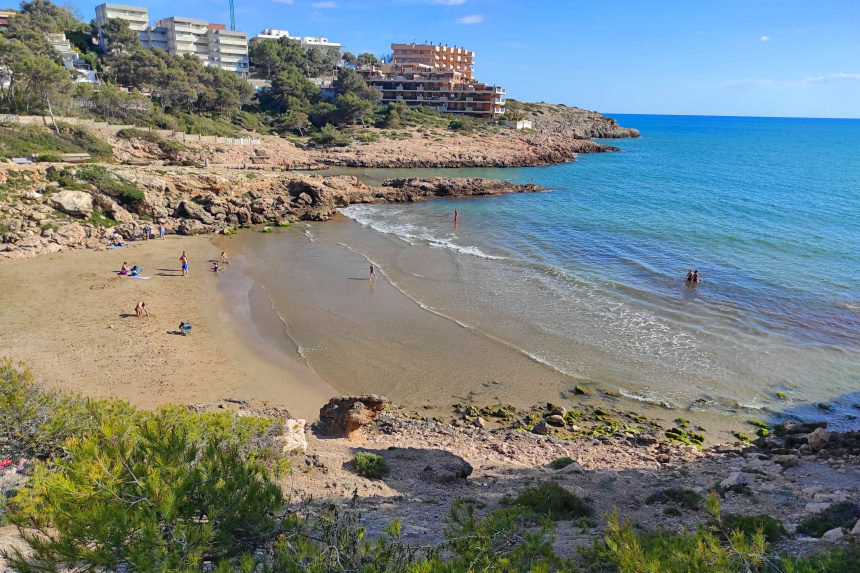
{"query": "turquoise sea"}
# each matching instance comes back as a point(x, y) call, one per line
point(589, 278)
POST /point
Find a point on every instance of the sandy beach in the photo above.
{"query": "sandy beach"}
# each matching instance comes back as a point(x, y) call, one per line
point(71, 319)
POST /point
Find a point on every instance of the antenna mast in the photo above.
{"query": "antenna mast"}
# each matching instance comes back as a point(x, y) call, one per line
point(232, 17)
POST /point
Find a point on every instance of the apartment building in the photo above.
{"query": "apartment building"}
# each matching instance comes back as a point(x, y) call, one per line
point(212, 43)
point(447, 91)
point(273, 34)
point(137, 17)
point(4, 19)
point(306, 43)
point(438, 57)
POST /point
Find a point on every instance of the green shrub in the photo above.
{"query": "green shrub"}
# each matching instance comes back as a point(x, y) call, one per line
point(560, 463)
point(23, 141)
point(772, 528)
point(552, 500)
point(111, 184)
point(329, 136)
point(842, 514)
point(49, 158)
point(369, 465)
point(147, 493)
point(684, 497)
point(673, 511)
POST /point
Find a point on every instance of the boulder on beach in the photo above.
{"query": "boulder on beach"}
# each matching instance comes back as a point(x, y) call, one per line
point(76, 203)
point(344, 416)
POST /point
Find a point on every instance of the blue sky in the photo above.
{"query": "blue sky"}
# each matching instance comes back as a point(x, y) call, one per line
point(752, 57)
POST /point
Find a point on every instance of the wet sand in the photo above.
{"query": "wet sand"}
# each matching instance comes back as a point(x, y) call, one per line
point(315, 303)
point(71, 319)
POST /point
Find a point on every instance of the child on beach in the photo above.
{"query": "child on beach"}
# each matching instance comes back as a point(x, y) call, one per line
point(125, 269)
point(372, 271)
point(140, 309)
point(184, 260)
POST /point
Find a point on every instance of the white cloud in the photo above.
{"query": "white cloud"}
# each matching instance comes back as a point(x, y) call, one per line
point(765, 38)
point(839, 76)
point(475, 19)
point(324, 5)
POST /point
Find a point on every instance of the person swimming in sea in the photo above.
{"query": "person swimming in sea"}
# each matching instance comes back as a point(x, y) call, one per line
point(690, 276)
point(697, 278)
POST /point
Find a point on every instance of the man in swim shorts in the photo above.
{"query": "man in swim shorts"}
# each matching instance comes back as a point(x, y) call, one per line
point(372, 271)
point(161, 231)
point(690, 276)
point(184, 260)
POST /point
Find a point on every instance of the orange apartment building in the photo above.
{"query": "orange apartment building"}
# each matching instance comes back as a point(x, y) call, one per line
point(438, 57)
point(436, 76)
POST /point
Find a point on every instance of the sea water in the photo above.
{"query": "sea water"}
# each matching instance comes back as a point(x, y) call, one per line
point(589, 279)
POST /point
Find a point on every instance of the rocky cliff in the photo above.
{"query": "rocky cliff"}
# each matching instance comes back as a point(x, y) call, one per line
point(57, 208)
point(570, 121)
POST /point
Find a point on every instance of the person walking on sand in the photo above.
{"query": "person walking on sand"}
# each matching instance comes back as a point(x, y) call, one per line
point(161, 230)
point(372, 271)
point(184, 260)
point(140, 309)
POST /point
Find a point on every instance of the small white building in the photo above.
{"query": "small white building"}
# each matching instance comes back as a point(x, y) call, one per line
point(520, 124)
point(272, 34)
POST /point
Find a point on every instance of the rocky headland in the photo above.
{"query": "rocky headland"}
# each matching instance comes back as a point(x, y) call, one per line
point(55, 208)
point(570, 121)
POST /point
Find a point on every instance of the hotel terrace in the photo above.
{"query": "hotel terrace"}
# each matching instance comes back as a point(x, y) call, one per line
point(438, 77)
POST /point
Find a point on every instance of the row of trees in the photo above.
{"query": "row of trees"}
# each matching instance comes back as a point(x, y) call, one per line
point(34, 79)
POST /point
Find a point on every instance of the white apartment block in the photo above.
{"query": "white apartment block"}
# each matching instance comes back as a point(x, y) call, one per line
point(212, 43)
point(306, 43)
point(137, 17)
point(272, 34)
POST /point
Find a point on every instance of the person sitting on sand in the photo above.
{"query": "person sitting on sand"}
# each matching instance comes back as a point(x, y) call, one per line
point(697, 278)
point(140, 309)
point(116, 240)
point(690, 276)
point(125, 269)
point(134, 271)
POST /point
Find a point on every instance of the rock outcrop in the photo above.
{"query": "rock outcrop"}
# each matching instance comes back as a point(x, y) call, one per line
point(75, 203)
point(344, 416)
point(570, 121)
point(194, 202)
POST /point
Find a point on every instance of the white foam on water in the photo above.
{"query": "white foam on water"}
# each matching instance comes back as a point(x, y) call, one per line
point(409, 233)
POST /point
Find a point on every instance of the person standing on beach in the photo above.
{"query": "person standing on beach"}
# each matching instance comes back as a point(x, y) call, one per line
point(372, 271)
point(147, 230)
point(161, 230)
point(184, 260)
point(455, 215)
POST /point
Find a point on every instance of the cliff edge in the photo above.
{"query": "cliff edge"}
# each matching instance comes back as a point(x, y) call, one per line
point(570, 121)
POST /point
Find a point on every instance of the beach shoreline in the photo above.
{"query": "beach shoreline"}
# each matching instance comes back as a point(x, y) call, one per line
point(70, 318)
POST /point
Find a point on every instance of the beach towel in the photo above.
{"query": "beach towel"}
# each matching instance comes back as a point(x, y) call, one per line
point(117, 246)
point(143, 278)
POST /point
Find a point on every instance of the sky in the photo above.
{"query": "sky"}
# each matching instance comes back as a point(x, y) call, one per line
point(774, 58)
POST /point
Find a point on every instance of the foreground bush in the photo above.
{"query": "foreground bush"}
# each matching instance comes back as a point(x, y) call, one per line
point(369, 465)
point(553, 501)
point(147, 495)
